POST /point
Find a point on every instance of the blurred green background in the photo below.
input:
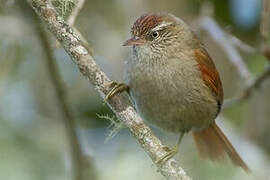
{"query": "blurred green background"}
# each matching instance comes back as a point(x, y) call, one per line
point(33, 142)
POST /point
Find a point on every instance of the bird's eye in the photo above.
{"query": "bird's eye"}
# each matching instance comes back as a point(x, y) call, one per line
point(155, 34)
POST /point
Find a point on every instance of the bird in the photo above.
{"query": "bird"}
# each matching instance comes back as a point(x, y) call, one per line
point(174, 84)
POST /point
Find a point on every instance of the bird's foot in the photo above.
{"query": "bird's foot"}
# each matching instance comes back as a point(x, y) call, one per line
point(170, 153)
point(117, 88)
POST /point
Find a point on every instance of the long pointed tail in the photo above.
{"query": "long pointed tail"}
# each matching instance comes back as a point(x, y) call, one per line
point(212, 144)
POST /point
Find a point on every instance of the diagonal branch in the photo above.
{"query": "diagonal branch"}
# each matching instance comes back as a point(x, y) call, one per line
point(119, 103)
point(79, 162)
point(240, 44)
point(211, 27)
point(71, 21)
point(69, 121)
point(251, 86)
point(265, 49)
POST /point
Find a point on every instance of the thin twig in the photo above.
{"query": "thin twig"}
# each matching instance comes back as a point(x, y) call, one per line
point(77, 160)
point(240, 44)
point(251, 86)
point(72, 17)
point(69, 121)
point(71, 21)
point(212, 28)
point(119, 103)
point(256, 82)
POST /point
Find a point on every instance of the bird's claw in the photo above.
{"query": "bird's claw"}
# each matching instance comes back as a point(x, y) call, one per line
point(169, 155)
point(117, 87)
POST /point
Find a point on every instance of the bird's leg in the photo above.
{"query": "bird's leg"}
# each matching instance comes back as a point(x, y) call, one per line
point(172, 151)
point(117, 87)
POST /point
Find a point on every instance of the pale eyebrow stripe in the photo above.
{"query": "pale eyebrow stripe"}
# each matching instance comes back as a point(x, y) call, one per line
point(161, 26)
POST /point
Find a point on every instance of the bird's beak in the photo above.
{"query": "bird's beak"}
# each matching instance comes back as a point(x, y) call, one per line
point(134, 41)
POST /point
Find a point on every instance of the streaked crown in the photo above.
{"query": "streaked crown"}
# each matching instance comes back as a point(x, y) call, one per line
point(145, 23)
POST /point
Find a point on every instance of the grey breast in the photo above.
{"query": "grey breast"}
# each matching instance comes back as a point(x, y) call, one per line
point(162, 94)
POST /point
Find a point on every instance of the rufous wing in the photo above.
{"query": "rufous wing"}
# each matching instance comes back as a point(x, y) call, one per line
point(211, 142)
point(209, 73)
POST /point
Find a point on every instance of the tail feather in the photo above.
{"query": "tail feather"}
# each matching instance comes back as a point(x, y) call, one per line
point(212, 144)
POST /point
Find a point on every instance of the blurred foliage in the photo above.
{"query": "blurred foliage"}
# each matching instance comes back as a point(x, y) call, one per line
point(33, 142)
